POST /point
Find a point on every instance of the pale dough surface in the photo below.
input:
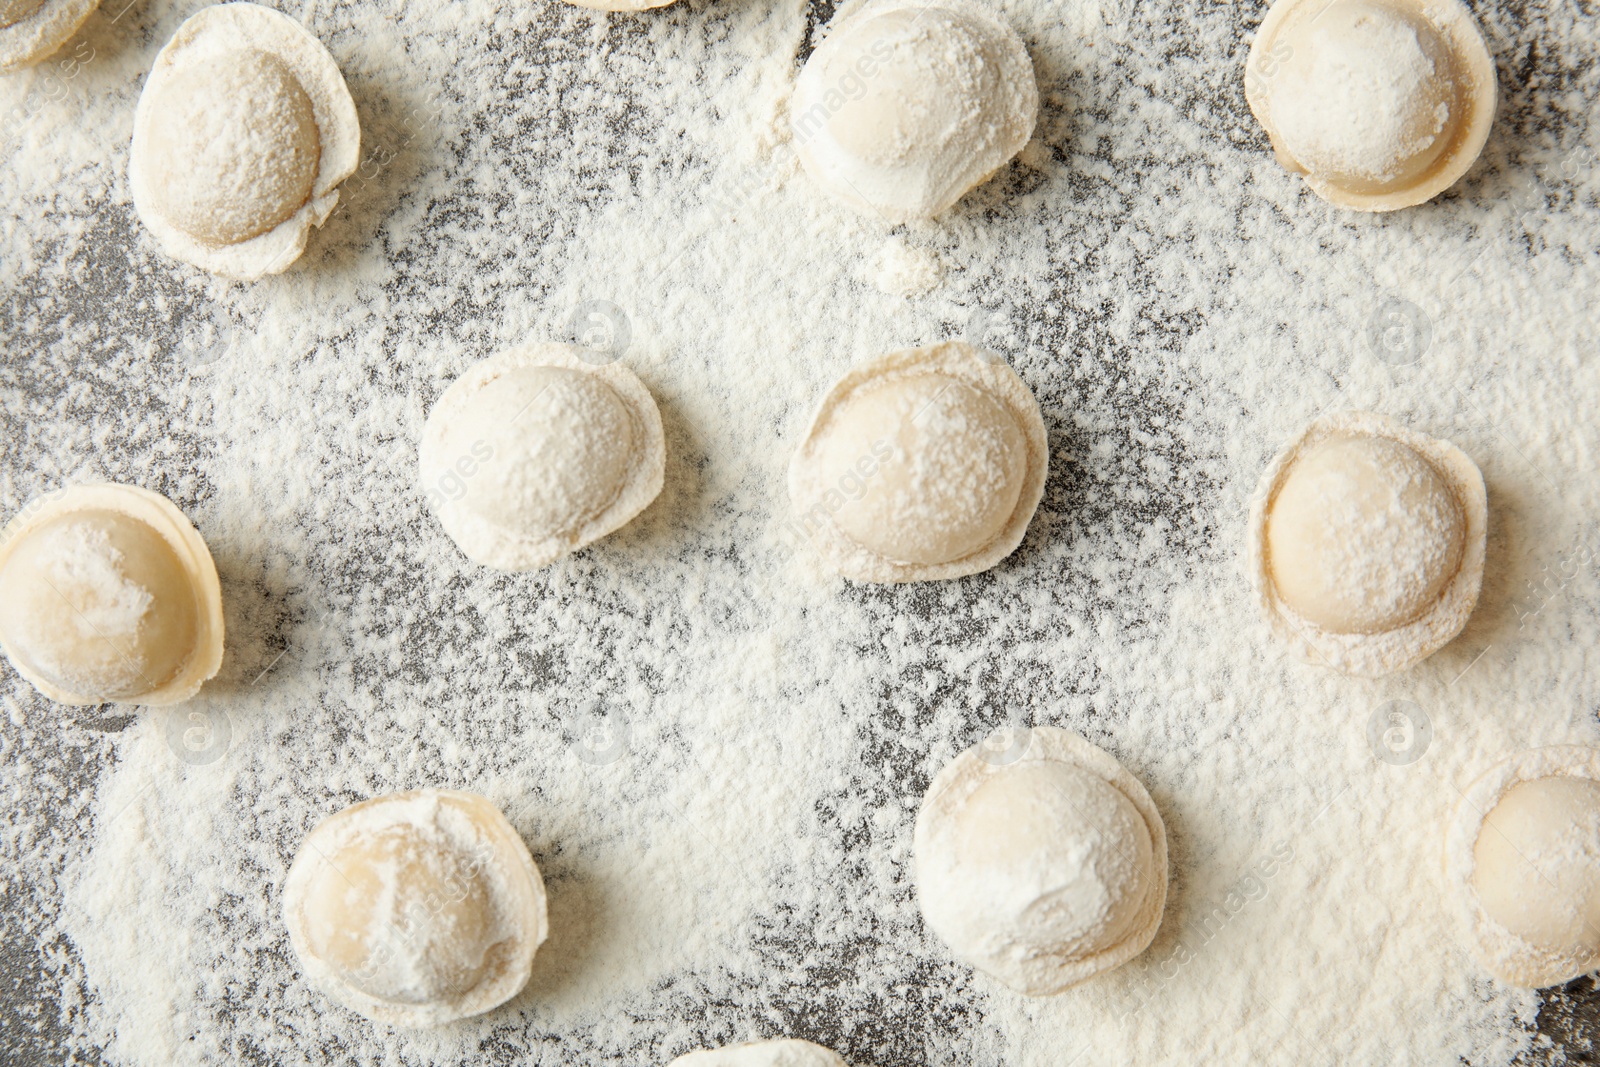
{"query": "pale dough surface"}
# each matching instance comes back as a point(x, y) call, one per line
point(903, 108)
point(222, 168)
point(1042, 862)
point(1379, 104)
point(416, 908)
point(108, 593)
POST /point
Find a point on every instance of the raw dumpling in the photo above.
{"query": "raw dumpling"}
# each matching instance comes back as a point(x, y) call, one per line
point(921, 464)
point(620, 5)
point(905, 107)
point(107, 593)
point(535, 453)
point(416, 908)
point(242, 135)
point(1367, 543)
point(31, 30)
point(1522, 856)
point(763, 1054)
point(1381, 104)
point(1044, 868)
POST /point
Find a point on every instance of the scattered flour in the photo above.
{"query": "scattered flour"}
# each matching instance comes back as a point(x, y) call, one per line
point(903, 270)
point(714, 750)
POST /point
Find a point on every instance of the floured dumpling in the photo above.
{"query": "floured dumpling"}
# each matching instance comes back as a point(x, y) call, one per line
point(620, 5)
point(921, 464)
point(1044, 868)
point(1367, 543)
point(905, 107)
point(763, 1054)
point(535, 453)
point(1381, 104)
point(107, 593)
point(31, 30)
point(1522, 857)
point(416, 908)
point(242, 135)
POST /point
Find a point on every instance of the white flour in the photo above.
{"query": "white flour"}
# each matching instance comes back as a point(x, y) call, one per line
point(714, 750)
point(1340, 119)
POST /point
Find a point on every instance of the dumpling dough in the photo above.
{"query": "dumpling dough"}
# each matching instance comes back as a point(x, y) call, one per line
point(906, 107)
point(1523, 858)
point(249, 130)
point(31, 30)
point(1367, 543)
point(107, 593)
point(243, 132)
point(620, 5)
point(1381, 104)
point(535, 453)
point(416, 908)
point(763, 1054)
point(1364, 535)
point(1044, 870)
point(921, 464)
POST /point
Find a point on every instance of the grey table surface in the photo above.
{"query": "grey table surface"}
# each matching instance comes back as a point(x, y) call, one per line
point(95, 282)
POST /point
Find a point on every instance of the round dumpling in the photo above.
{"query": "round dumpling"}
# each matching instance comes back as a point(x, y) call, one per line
point(788, 1053)
point(904, 108)
point(1390, 72)
point(107, 593)
point(1364, 535)
point(1042, 870)
point(232, 142)
point(1537, 865)
point(620, 5)
point(562, 442)
point(1379, 103)
point(1523, 853)
point(32, 30)
point(243, 132)
point(921, 464)
point(416, 908)
point(1367, 543)
point(954, 463)
point(535, 453)
point(400, 918)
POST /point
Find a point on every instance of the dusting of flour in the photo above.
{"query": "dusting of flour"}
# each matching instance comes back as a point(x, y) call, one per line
point(902, 270)
point(714, 749)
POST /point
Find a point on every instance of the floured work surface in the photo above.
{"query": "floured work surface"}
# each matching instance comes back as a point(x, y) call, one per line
point(714, 749)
